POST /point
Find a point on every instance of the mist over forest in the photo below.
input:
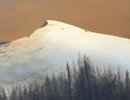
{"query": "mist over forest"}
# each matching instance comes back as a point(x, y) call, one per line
point(84, 82)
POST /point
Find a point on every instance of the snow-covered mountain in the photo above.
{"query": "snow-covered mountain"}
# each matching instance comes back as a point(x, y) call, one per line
point(51, 46)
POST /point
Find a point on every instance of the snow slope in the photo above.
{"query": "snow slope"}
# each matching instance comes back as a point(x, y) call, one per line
point(51, 46)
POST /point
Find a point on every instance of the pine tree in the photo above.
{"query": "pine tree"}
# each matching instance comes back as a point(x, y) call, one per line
point(82, 81)
point(4, 97)
point(88, 71)
point(47, 88)
point(13, 95)
point(25, 93)
point(127, 85)
point(20, 94)
point(69, 81)
point(63, 86)
point(95, 82)
point(78, 85)
point(55, 95)
point(119, 85)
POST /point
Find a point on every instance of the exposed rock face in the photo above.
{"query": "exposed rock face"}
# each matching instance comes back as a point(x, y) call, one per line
point(3, 43)
point(51, 46)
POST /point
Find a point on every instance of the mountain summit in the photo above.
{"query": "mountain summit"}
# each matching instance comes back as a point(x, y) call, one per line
point(55, 43)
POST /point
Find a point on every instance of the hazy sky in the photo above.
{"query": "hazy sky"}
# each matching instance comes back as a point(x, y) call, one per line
point(19, 18)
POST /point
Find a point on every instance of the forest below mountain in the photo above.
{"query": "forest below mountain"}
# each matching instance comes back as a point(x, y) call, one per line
point(82, 81)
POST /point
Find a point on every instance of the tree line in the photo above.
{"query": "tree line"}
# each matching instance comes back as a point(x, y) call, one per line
point(82, 81)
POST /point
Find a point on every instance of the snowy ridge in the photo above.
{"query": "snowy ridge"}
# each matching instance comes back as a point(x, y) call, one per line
point(51, 46)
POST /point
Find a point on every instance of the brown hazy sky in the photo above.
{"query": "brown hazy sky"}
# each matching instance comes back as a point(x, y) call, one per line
point(19, 18)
